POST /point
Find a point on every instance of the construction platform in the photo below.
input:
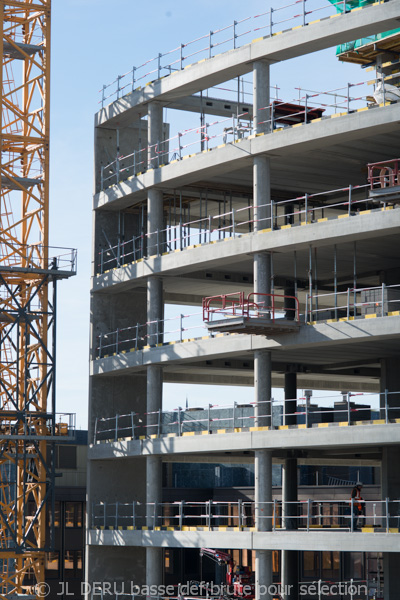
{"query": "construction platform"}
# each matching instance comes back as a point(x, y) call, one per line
point(253, 325)
point(367, 54)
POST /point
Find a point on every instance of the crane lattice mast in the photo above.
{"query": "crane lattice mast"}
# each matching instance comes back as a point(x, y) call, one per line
point(27, 299)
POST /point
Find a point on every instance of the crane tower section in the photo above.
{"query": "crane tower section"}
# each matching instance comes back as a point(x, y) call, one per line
point(28, 276)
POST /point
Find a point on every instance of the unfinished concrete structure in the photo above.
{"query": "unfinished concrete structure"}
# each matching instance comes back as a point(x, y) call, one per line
point(281, 211)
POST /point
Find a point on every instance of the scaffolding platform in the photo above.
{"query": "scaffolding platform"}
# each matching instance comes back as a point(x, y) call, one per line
point(367, 54)
point(256, 313)
point(253, 325)
point(384, 181)
point(388, 195)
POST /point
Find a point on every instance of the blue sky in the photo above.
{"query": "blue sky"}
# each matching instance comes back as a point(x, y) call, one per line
point(92, 42)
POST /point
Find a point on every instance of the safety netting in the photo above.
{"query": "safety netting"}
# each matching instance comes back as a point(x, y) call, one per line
point(345, 6)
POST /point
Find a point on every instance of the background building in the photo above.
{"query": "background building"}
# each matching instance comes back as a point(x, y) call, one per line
point(66, 563)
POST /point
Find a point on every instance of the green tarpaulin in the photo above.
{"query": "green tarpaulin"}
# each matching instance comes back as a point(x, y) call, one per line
point(350, 4)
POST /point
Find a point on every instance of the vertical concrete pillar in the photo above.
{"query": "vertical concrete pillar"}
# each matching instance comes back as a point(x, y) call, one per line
point(155, 223)
point(262, 388)
point(262, 359)
point(155, 132)
point(390, 476)
point(263, 514)
point(262, 193)
point(154, 567)
point(155, 315)
point(155, 310)
point(289, 564)
point(261, 97)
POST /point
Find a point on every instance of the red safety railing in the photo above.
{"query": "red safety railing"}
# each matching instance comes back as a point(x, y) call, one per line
point(384, 174)
point(227, 304)
point(254, 304)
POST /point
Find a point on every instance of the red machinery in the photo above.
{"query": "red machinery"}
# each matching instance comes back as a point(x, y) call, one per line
point(238, 579)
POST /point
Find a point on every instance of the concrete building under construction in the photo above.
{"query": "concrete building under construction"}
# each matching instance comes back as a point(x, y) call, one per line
point(280, 222)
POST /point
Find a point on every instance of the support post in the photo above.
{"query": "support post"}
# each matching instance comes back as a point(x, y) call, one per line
point(155, 132)
point(263, 514)
point(290, 575)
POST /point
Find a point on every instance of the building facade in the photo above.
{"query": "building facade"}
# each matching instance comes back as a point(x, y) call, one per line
point(277, 223)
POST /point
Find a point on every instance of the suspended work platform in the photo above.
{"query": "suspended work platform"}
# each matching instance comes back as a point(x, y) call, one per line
point(384, 181)
point(256, 313)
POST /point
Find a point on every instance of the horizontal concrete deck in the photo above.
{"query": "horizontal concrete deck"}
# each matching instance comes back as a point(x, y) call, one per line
point(359, 437)
point(294, 141)
point(207, 73)
point(278, 540)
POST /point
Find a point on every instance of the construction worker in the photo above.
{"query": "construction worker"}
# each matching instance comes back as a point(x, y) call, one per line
point(358, 504)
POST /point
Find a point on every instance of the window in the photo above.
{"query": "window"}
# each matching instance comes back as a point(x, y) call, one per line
point(56, 515)
point(69, 560)
point(73, 563)
point(73, 514)
point(311, 564)
point(331, 565)
point(52, 564)
point(354, 565)
point(66, 458)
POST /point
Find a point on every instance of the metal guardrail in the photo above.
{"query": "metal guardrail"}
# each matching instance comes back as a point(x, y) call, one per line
point(353, 303)
point(234, 223)
point(234, 128)
point(294, 14)
point(345, 408)
point(254, 305)
point(37, 424)
point(317, 589)
point(305, 515)
point(40, 257)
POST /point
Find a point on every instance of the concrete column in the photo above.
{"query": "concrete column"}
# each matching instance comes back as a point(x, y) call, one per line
point(154, 567)
point(289, 565)
point(262, 359)
point(390, 380)
point(154, 390)
point(155, 223)
point(155, 132)
point(262, 388)
point(290, 398)
point(261, 97)
point(155, 315)
point(262, 285)
point(390, 476)
point(262, 193)
point(155, 310)
point(263, 493)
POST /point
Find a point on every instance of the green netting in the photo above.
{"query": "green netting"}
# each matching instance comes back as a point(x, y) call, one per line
point(350, 4)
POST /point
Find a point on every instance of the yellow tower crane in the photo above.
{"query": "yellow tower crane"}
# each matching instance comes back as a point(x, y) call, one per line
point(28, 276)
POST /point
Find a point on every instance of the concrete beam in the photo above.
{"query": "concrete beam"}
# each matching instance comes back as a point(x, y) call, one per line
point(351, 438)
point(208, 73)
point(341, 338)
point(213, 256)
point(272, 540)
point(231, 157)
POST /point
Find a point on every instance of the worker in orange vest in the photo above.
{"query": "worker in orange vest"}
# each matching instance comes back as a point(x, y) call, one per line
point(358, 504)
